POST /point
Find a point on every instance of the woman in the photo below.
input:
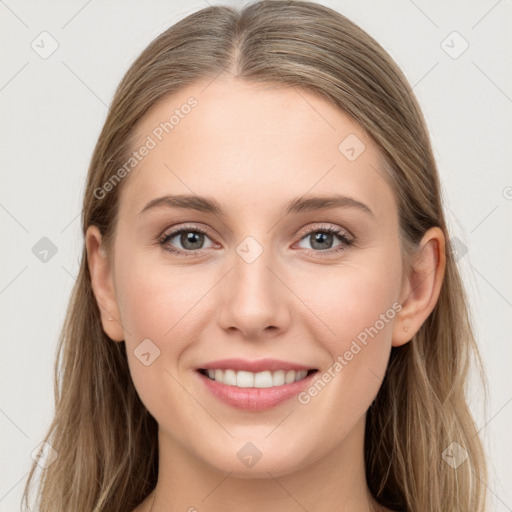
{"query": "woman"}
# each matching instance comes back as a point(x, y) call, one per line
point(268, 314)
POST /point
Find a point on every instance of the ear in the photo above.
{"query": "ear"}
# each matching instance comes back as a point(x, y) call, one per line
point(421, 288)
point(102, 284)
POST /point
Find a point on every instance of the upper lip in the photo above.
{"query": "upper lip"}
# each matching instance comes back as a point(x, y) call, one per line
point(256, 366)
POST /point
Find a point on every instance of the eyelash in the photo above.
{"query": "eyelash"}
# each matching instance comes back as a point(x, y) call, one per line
point(338, 232)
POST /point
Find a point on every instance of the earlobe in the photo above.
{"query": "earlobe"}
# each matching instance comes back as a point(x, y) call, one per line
point(422, 287)
point(102, 284)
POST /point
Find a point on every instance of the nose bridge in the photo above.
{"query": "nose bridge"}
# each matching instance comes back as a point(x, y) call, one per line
point(252, 276)
point(252, 295)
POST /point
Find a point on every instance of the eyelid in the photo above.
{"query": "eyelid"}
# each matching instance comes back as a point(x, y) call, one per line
point(323, 226)
point(191, 227)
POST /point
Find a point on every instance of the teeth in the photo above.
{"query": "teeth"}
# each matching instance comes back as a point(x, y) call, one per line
point(264, 379)
point(290, 377)
point(229, 377)
point(243, 379)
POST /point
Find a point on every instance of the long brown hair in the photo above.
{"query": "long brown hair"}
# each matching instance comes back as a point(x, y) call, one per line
point(105, 438)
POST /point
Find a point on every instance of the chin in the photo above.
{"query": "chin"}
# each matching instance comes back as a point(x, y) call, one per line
point(241, 465)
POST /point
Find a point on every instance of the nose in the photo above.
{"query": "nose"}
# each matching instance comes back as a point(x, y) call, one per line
point(254, 299)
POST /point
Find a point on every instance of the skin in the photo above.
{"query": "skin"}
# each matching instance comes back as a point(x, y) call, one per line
point(254, 148)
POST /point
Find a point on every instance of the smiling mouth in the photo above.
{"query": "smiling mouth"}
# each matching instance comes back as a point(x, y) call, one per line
point(264, 379)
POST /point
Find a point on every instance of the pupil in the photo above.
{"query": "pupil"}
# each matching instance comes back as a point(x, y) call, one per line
point(193, 238)
point(321, 238)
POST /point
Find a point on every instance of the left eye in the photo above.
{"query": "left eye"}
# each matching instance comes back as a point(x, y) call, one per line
point(322, 239)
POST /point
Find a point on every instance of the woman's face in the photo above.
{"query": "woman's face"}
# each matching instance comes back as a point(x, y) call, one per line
point(256, 279)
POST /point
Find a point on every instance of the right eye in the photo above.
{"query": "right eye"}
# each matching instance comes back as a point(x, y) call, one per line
point(191, 239)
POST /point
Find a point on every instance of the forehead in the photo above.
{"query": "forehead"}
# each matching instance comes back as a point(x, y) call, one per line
point(253, 145)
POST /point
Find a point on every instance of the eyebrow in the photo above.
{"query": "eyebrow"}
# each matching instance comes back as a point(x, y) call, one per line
point(298, 205)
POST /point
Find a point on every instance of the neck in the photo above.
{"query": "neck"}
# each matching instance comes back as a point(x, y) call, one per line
point(335, 481)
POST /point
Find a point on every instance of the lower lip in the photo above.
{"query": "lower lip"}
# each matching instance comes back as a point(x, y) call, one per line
point(255, 399)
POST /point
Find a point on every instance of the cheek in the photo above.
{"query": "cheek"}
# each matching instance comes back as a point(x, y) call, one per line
point(347, 301)
point(168, 305)
point(159, 304)
point(355, 307)
point(158, 301)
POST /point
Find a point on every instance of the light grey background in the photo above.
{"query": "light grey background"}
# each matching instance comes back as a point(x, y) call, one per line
point(52, 113)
